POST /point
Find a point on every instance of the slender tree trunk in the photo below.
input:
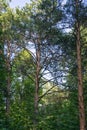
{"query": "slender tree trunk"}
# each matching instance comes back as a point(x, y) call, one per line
point(80, 82)
point(8, 79)
point(37, 79)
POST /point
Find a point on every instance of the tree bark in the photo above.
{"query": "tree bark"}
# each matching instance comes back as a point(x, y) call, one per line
point(79, 71)
point(37, 79)
point(8, 79)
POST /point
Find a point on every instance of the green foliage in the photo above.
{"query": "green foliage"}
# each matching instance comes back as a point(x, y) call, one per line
point(2, 82)
point(22, 102)
point(58, 109)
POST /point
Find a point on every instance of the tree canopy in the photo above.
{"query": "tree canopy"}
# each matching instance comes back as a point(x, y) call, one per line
point(43, 50)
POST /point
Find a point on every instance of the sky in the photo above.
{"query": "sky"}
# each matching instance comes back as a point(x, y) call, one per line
point(20, 3)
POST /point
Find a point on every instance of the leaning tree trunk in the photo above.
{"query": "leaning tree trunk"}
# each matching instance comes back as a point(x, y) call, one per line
point(79, 70)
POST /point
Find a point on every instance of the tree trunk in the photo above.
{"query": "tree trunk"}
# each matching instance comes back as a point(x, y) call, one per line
point(79, 71)
point(37, 79)
point(8, 79)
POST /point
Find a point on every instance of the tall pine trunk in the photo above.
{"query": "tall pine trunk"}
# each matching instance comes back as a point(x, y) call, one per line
point(37, 80)
point(79, 71)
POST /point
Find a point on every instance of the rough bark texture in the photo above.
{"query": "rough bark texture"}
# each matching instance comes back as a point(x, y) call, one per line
point(80, 82)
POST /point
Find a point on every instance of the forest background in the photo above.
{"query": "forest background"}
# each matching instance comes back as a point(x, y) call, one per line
point(43, 65)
